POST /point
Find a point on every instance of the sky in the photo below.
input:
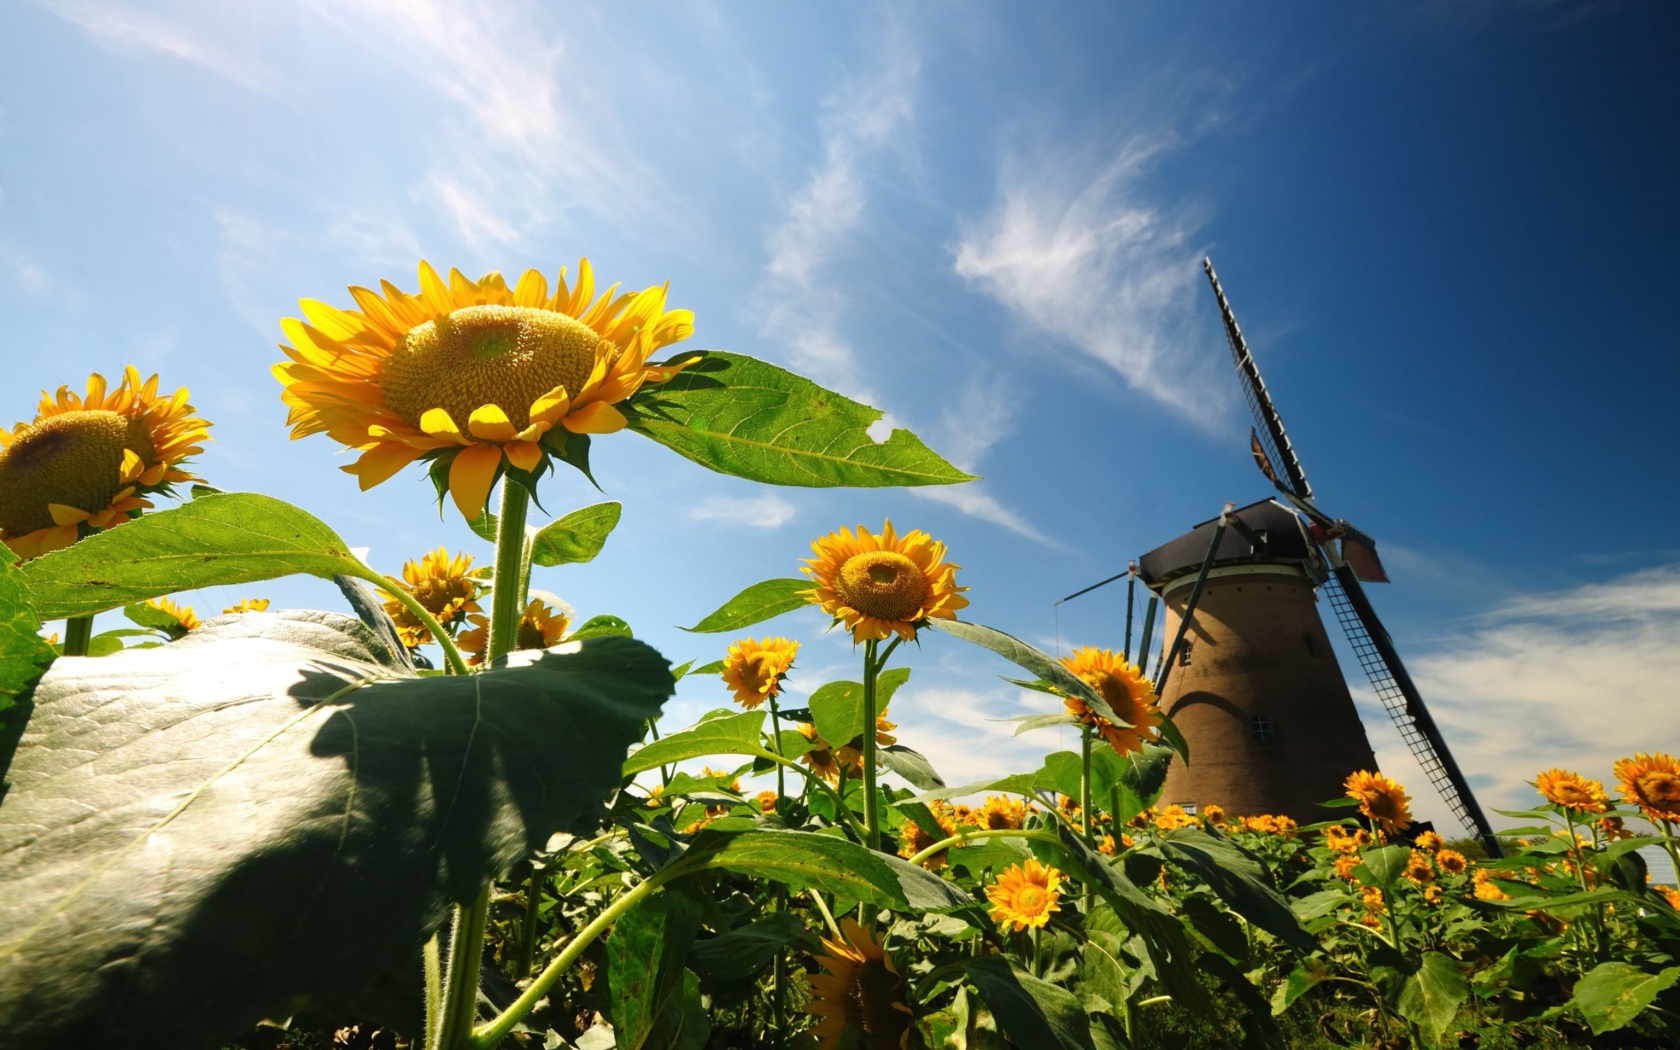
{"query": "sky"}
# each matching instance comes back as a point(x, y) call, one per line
point(1446, 228)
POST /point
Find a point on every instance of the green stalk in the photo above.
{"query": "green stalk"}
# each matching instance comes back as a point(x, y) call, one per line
point(969, 836)
point(510, 551)
point(1085, 781)
point(776, 739)
point(451, 655)
point(466, 952)
point(871, 818)
point(528, 933)
point(432, 964)
point(78, 631)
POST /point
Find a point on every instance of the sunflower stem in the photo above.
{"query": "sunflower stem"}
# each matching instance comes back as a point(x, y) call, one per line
point(528, 931)
point(451, 655)
point(78, 631)
point(984, 833)
point(776, 742)
point(505, 584)
point(466, 953)
point(1085, 782)
point(871, 818)
point(432, 964)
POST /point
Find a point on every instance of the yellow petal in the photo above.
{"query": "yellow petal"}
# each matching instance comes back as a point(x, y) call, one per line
point(598, 417)
point(131, 466)
point(490, 423)
point(523, 454)
point(63, 515)
point(551, 406)
point(439, 423)
point(471, 476)
point(380, 462)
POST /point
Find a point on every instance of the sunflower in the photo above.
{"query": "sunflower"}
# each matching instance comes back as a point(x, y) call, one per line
point(1485, 889)
point(1343, 839)
point(821, 756)
point(1652, 782)
point(1025, 895)
point(1001, 813)
point(1418, 868)
point(247, 605)
point(1613, 829)
point(1451, 861)
point(183, 615)
point(851, 754)
point(1213, 813)
point(861, 991)
point(766, 801)
point(472, 375)
point(754, 669)
point(92, 461)
point(539, 627)
point(1173, 817)
point(881, 585)
point(1381, 799)
point(915, 839)
point(444, 586)
point(1572, 791)
point(1429, 842)
point(1344, 866)
point(1128, 692)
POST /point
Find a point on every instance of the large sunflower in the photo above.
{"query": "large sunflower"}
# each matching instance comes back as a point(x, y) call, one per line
point(1380, 799)
point(1652, 782)
point(444, 586)
point(1128, 692)
point(882, 585)
point(753, 670)
point(90, 462)
point(471, 374)
point(540, 626)
point(1024, 895)
point(1572, 791)
point(861, 990)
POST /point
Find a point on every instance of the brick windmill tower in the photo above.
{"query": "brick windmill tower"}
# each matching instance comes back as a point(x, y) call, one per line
point(1250, 677)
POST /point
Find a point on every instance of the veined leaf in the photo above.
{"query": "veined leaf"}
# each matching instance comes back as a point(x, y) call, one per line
point(1032, 1012)
point(760, 602)
point(837, 711)
point(741, 416)
point(1383, 865)
point(602, 626)
point(734, 959)
point(911, 765)
point(1042, 664)
point(1139, 774)
point(577, 537)
point(1432, 995)
point(273, 811)
point(645, 962)
point(24, 654)
point(803, 859)
point(1240, 881)
point(729, 735)
point(1614, 993)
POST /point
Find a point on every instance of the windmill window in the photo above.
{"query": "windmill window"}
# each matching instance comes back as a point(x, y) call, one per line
point(1312, 647)
point(1184, 653)
point(1260, 729)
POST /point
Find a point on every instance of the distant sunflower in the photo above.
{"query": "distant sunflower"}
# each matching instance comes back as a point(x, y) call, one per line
point(1173, 817)
point(1452, 862)
point(914, 839)
point(883, 585)
point(754, 669)
point(247, 605)
point(1652, 782)
point(1024, 895)
point(1001, 813)
point(1612, 828)
point(185, 620)
point(1128, 692)
point(1213, 813)
point(539, 628)
point(1418, 867)
point(1572, 791)
point(766, 801)
point(821, 756)
point(444, 586)
point(472, 374)
point(851, 754)
point(1343, 839)
point(1381, 799)
point(860, 991)
point(88, 463)
point(1485, 888)
point(1429, 842)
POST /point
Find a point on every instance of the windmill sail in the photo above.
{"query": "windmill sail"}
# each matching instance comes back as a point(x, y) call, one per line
point(1275, 443)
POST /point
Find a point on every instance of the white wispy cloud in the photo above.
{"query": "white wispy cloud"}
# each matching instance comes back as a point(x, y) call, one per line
point(1073, 249)
point(958, 730)
point(1575, 679)
point(126, 27)
point(972, 499)
point(29, 274)
point(754, 512)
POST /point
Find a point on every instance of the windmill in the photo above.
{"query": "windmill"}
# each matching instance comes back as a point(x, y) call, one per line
point(1250, 677)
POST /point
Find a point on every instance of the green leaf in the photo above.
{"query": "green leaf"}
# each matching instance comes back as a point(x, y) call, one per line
point(1383, 865)
point(913, 766)
point(147, 615)
point(738, 957)
point(887, 683)
point(1140, 775)
point(715, 667)
point(1220, 928)
point(645, 962)
point(485, 525)
point(1031, 1012)
point(1032, 722)
point(1261, 1028)
point(577, 537)
point(760, 602)
point(602, 627)
point(1614, 993)
point(237, 537)
point(1240, 880)
point(24, 654)
point(1042, 664)
point(837, 711)
point(806, 860)
point(1432, 995)
point(729, 735)
point(1308, 974)
point(272, 811)
point(740, 416)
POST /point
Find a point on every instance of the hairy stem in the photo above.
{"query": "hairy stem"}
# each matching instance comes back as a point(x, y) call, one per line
point(78, 631)
point(528, 932)
point(510, 557)
point(871, 816)
point(466, 952)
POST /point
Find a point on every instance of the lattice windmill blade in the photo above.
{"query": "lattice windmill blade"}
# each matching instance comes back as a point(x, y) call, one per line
point(1272, 447)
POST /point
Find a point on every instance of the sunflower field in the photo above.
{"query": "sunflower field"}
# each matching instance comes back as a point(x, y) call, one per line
point(284, 828)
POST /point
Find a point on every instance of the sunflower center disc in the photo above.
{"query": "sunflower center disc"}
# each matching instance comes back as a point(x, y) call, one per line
point(882, 584)
point(506, 356)
point(74, 458)
point(434, 595)
point(1030, 900)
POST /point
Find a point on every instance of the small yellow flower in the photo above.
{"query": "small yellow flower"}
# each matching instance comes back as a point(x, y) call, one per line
point(90, 462)
point(882, 585)
point(1452, 862)
point(1652, 782)
point(183, 614)
point(1128, 692)
point(1173, 817)
point(247, 605)
point(1381, 799)
point(1572, 791)
point(1429, 842)
point(472, 374)
point(1613, 829)
point(1431, 894)
point(1345, 840)
point(444, 586)
point(1213, 814)
point(540, 627)
point(859, 990)
point(766, 801)
point(754, 669)
point(1001, 813)
point(1371, 897)
point(821, 756)
point(1024, 895)
point(1486, 890)
point(1418, 868)
point(1345, 865)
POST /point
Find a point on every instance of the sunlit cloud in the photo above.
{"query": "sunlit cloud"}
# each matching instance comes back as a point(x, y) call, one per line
point(753, 512)
point(130, 29)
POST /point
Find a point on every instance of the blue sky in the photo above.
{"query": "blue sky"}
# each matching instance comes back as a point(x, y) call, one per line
point(1446, 228)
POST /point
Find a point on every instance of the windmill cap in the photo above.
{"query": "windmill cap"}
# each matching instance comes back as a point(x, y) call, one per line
point(1277, 525)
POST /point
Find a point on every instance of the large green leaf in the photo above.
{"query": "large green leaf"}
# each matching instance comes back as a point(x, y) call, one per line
point(1259, 1025)
point(730, 962)
point(645, 962)
point(913, 766)
point(577, 537)
point(729, 735)
point(1383, 865)
point(1241, 882)
point(1614, 993)
point(1139, 775)
point(272, 815)
point(1031, 1012)
point(1432, 995)
point(740, 416)
point(24, 654)
point(236, 537)
point(837, 711)
point(760, 602)
point(806, 860)
point(1039, 663)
